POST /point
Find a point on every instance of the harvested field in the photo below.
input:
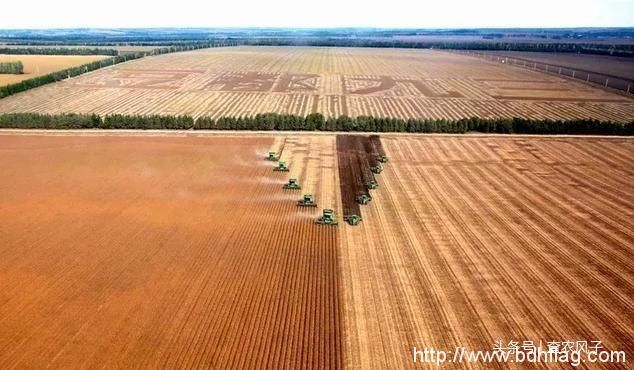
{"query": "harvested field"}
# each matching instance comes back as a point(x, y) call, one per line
point(605, 71)
point(184, 252)
point(165, 252)
point(406, 83)
point(356, 155)
point(38, 65)
point(622, 67)
point(471, 240)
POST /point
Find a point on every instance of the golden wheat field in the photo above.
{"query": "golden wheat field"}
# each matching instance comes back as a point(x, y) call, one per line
point(237, 81)
point(38, 65)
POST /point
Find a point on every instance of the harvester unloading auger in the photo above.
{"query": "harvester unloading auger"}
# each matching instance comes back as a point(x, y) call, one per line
point(307, 201)
point(327, 218)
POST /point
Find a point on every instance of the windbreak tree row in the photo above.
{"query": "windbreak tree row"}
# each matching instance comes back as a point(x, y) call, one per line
point(58, 51)
point(75, 71)
point(317, 122)
point(557, 47)
point(14, 68)
point(63, 74)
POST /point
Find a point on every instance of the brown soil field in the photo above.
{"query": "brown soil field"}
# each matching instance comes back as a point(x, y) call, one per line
point(473, 240)
point(608, 65)
point(611, 72)
point(180, 252)
point(37, 65)
point(406, 83)
point(165, 253)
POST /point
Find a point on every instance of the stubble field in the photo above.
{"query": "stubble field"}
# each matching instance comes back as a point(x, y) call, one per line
point(405, 83)
point(180, 252)
point(38, 65)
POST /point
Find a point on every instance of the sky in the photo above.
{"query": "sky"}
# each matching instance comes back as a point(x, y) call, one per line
point(319, 13)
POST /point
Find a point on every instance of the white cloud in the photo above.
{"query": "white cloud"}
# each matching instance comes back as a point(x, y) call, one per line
point(322, 13)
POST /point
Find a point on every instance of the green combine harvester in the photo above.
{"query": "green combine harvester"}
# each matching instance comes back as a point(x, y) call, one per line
point(272, 156)
point(292, 184)
point(382, 158)
point(327, 218)
point(352, 219)
point(372, 184)
point(376, 169)
point(281, 166)
point(307, 201)
point(363, 199)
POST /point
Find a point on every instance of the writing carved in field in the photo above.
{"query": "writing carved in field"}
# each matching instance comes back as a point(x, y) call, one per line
point(264, 82)
point(148, 79)
point(244, 81)
point(288, 82)
point(390, 86)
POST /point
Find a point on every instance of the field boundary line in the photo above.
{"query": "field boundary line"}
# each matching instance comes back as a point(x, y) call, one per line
point(249, 133)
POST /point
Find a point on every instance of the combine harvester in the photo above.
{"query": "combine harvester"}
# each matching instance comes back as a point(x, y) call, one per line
point(292, 184)
point(307, 201)
point(273, 157)
point(327, 218)
point(281, 166)
point(363, 198)
point(376, 169)
point(352, 219)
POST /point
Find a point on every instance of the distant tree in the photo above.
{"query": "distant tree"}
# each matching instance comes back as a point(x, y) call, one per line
point(15, 68)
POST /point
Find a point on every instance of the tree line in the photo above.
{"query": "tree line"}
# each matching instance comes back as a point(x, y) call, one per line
point(13, 68)
point(76, 71)
point(58, 51)
point(63, 74)
point(556, 47)
point(169, 45)
point(190, 46)
point(317, 122)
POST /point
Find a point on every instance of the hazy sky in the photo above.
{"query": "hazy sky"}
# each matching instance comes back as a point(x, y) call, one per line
point(319, 13)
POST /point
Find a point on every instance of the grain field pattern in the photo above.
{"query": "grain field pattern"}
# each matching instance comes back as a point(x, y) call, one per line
point(470, 240)
point(164, 252)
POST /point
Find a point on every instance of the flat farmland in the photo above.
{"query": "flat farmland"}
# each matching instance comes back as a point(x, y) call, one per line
point(38, 65)
point(406, 83)
point(164, 252)
point(471, 240)
point(182, 250)
point(621, 67)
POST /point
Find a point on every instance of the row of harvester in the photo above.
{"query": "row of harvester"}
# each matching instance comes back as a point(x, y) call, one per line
point(363, 198)
point(328, 216)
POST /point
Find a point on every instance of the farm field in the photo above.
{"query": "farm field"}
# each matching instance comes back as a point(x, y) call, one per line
point(165, 252)
point(608, 65)
point(37, 65)
point(183, 251)
point(405, 83)
point(473, 240)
